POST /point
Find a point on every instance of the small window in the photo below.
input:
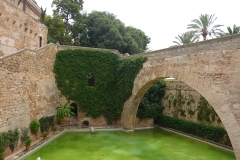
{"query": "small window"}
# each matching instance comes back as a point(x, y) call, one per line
point(90, 78)
point(40, 41)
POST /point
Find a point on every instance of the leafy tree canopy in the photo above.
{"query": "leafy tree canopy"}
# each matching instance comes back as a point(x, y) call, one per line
point(68, 10)
point(104, 30)
point(137, 38)
point(56, 30)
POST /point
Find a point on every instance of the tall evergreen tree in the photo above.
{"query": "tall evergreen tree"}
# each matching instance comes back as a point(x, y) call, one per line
point(69, 10)
point(104, 30)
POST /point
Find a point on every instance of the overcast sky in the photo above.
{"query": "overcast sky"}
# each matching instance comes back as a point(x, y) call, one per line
point(162, 20)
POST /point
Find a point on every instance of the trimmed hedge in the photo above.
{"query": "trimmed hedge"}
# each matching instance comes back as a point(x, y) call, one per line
point(213, 133)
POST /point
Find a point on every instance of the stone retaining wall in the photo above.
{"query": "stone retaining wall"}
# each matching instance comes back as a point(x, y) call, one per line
point(181, 97)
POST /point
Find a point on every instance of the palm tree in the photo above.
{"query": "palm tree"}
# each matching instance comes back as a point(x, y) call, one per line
point(186, 38)
point(234, 30)
point(203, 26)
point(24, 4)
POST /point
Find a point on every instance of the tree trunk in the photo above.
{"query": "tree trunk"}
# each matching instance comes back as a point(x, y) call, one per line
point(204, 34)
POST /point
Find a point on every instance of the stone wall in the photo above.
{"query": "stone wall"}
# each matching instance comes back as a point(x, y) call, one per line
point(20, 29)
point(28, 90)
point(182, 101)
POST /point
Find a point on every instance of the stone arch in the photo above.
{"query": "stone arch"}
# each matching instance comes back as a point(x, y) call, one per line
point(187, 69)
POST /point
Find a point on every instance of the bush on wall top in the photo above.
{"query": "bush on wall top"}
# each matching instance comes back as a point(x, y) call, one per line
point(113, 80)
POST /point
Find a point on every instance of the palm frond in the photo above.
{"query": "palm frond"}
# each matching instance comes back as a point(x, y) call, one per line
point(202, 26)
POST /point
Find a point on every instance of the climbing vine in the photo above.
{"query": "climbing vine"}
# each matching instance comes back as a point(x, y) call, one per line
point(113, 80)
point(205, 112)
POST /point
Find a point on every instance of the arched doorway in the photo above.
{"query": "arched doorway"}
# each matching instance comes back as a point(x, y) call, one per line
point(75, 111)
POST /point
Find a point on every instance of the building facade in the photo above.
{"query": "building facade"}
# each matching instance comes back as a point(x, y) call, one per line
point(20, 28)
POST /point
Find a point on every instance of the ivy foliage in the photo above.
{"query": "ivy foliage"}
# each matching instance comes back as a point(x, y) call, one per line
point(113, 80)
point(206, 112)
point(151, 103)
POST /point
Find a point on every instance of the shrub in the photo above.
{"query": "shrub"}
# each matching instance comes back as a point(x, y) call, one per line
point(205, 131)
point(24, 134)
point(28, 141)
point(64, 111)
point(45, 134)
point(3, 143)
point(34, 126)
point(54, 128)
point(13, 136)
point(45, 123)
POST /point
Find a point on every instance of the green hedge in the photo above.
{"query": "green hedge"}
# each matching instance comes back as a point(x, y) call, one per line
point(213, 133)
point(45, 123)
point(113, 80)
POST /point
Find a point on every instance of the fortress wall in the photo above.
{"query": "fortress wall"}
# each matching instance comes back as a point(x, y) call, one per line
point(28, 90)
point(27, 87)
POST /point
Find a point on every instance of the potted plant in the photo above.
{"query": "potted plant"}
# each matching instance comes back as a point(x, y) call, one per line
point(34, 126)
point(54, 129)
point(3, 143)
point(44, 135)
point(27, 143)
point(64, 111)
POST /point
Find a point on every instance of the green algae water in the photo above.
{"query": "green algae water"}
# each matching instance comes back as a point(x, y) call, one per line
point(153, 144)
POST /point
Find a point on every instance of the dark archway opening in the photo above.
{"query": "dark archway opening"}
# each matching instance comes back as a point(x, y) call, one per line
point(75, 111)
